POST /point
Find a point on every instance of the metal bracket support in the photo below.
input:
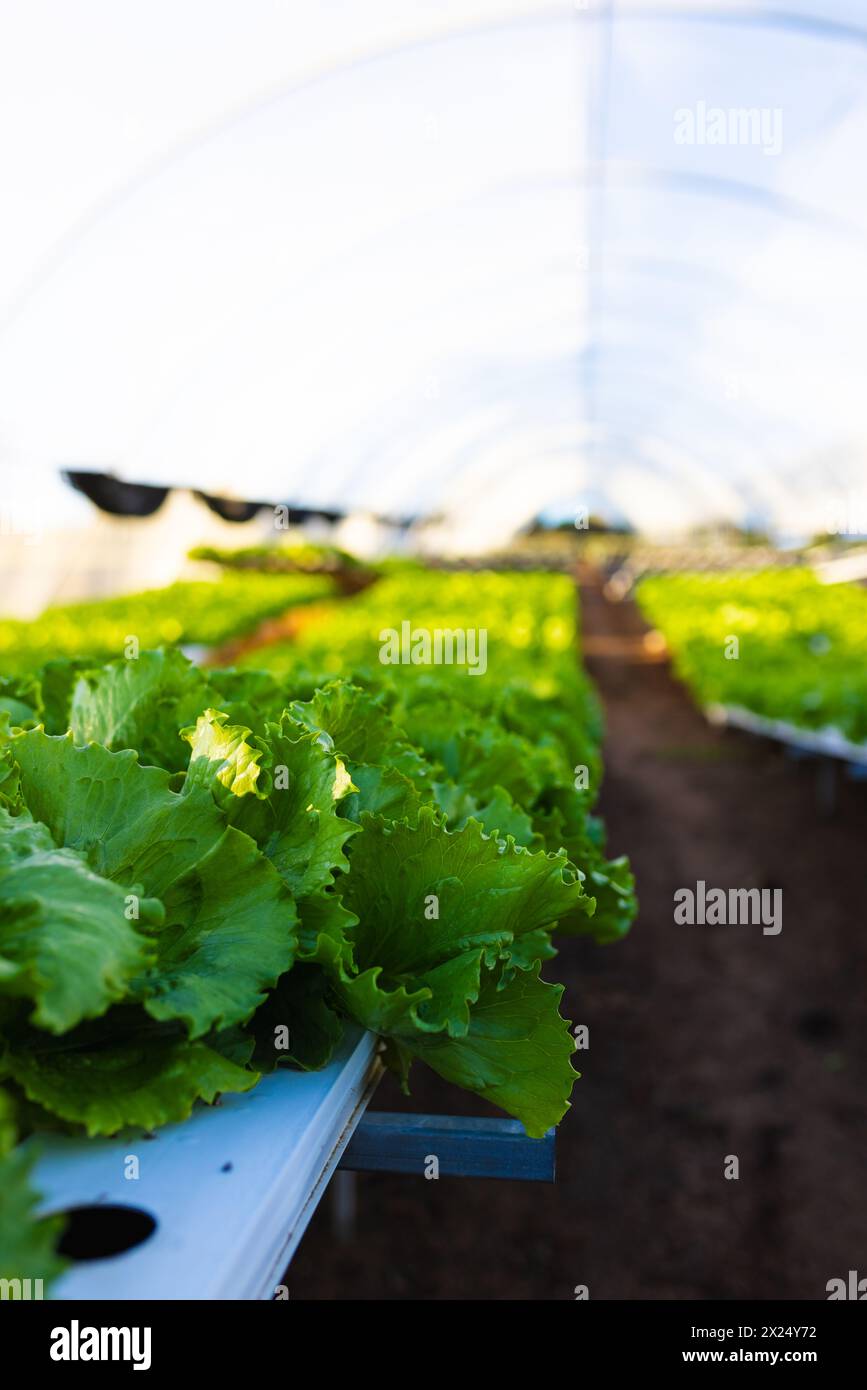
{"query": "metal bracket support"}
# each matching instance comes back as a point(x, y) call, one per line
point(466, 1148)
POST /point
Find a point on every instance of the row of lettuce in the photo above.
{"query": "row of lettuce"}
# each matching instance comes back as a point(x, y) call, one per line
point(777, 642)
point(306, 558)
point(205, 873)
point(190, 612)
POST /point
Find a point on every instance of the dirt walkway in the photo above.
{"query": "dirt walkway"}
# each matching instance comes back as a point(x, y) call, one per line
point(705, 1042)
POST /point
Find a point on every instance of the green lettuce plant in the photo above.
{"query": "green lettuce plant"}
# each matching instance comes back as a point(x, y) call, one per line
point(194, 863)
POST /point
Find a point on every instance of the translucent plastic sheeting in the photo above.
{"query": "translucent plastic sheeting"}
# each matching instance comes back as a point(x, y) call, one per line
point(478, 259)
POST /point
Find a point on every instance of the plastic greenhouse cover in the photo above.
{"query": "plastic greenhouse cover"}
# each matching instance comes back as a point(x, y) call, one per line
point(471, 257)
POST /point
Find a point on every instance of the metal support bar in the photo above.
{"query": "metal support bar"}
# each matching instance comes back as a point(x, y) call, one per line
point(468, 1148)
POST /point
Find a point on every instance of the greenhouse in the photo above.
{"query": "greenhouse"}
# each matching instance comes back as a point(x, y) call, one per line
point(433, 657)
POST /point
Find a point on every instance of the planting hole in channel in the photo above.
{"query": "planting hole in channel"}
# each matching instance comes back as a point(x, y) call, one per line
point(96, 1232)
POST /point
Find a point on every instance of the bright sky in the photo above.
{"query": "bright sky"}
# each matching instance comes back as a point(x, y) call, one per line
point(445, 255)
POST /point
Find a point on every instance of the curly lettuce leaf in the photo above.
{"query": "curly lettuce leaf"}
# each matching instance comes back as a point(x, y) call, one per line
point(297, 1025)
point(221, 758)
point(66, 940)
point(383, 791)
point(361, 731)
point(438, 911)
point(566, 822)
point(516, 1052)
point(58, 680)
point(27, 1242)
point(108, 1079)
point(10, 777)
point(424, 894)
point(496, 812)
point(20, 699)
point(8, 1123)
point(478, 754)
point(282, 790)
point(613, 885)
point(230, 923)
point(230, 932)
point(141, 704)
point(325, 927)
point(250, 696)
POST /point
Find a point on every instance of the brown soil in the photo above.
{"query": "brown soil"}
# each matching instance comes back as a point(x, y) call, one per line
point(704, 1042)
point(284, 628)
point(287, 626)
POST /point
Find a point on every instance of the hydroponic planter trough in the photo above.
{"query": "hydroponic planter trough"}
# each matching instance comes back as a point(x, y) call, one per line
point(828, 746)
point(820, 743)
point(231, 1189)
